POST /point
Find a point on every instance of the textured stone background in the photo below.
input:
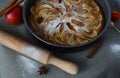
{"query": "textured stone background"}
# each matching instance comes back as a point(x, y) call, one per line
point(105, 64)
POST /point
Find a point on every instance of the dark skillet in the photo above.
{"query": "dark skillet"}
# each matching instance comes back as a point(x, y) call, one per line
point(102, 3)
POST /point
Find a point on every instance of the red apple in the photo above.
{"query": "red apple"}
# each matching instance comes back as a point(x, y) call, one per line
point(15, 16)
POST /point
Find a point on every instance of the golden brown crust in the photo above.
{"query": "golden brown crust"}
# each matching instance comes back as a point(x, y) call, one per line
point(67, 22)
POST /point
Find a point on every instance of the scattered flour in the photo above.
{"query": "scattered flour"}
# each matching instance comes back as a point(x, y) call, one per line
point(28, 65)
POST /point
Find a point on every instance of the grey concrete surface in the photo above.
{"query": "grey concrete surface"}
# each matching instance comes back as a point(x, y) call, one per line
point(105, 64)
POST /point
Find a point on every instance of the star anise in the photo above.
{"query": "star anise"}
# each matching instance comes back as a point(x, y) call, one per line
point(43, 70)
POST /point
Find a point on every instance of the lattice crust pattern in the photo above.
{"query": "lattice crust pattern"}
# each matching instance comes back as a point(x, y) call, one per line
point(66, 22)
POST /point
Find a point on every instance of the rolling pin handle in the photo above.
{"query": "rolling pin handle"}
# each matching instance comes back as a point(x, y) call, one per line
point(36, 53)
point(67, 66)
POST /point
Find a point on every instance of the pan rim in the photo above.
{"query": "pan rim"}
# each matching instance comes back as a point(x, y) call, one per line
point(106, 25)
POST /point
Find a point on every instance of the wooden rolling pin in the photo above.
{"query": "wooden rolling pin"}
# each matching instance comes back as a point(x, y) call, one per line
point(36, 53)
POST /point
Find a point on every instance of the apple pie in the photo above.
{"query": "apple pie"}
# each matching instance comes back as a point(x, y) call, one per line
point(66, 22)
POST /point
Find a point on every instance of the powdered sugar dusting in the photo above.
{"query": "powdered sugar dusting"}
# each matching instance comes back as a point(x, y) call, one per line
point(33, 51)
point(28, 65)
point(67, 19)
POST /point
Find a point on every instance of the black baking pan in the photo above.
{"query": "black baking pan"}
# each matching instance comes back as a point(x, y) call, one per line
point(102, 3)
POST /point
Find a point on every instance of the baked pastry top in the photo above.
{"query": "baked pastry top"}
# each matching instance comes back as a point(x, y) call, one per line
point(66, 22)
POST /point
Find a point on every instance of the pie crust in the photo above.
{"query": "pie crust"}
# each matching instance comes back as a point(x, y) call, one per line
point(66, 22)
